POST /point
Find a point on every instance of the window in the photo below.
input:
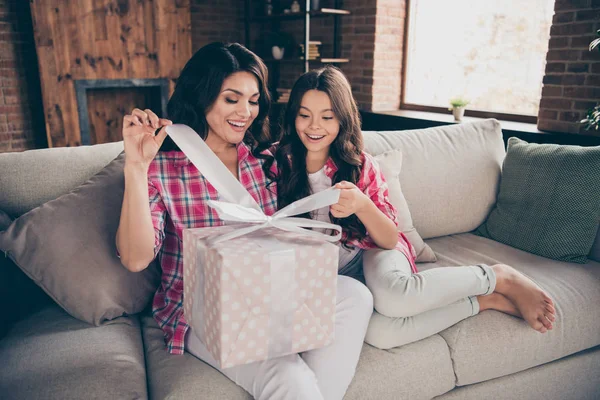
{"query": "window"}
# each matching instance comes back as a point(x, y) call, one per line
point(492, 53)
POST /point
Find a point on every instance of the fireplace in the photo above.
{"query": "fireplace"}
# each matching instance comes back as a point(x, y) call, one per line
point(102, 103)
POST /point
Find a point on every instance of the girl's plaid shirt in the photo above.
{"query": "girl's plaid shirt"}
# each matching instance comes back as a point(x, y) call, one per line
point(178, 196)
point(373, 184)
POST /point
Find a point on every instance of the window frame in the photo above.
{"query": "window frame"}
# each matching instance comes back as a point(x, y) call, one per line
point(443, 110)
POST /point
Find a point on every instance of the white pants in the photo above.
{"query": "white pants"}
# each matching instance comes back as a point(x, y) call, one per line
point(411, 307)
point(322, 373)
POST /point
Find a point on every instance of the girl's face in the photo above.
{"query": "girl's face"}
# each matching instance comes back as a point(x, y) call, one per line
point(234, 110)
point(316, 124)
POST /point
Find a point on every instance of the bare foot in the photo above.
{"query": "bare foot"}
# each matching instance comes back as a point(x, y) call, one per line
point(532, 302)
point(499, 302)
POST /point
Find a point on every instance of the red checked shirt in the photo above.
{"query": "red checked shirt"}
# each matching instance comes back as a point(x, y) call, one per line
point(178, 200)
point(373, 184)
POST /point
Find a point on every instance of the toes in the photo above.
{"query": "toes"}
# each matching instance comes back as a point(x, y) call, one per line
point(547, 324)
point(551, 317)
point(542, 330)
point(550, 309)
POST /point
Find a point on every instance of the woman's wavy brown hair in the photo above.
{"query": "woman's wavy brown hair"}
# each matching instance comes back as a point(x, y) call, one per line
point(345, 151)
point(199, 85)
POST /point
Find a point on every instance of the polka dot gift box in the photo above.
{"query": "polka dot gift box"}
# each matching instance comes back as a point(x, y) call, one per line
point(259, 296)
point(265, 286)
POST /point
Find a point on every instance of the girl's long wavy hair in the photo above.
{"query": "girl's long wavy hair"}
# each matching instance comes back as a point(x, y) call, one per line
point(345, 151)
point(199, 85)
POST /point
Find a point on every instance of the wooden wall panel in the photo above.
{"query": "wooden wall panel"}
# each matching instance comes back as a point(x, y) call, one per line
point(104, 39)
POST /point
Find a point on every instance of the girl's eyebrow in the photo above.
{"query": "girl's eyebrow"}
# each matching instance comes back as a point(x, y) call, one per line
point(308, 109)
point(239, 93)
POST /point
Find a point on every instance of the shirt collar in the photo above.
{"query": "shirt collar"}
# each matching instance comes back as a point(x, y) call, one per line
point(330, 167)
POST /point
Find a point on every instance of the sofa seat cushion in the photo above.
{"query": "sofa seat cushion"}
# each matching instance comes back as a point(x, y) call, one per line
point(182, 376)
point(493, 344)
point(51, 355)
point(573, 377)
point(420, 370)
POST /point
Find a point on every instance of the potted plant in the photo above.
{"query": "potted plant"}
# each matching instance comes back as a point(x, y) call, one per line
point(457, 106)
point(592, 119)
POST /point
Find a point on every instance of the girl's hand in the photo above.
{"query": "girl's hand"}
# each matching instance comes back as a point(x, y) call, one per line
point(352, 200)
point(141, 145)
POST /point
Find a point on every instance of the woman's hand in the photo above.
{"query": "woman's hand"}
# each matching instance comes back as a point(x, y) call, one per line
point(352, 200)
point(141, 145)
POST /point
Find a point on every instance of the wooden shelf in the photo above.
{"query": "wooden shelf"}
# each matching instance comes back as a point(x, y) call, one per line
point(326, 12)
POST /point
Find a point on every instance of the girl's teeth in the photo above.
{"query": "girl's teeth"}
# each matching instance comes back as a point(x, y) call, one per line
point(238, 124)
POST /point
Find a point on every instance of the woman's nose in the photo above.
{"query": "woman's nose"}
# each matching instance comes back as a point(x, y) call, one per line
point(243, 110)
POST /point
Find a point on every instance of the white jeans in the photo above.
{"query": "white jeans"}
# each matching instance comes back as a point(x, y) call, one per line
point(322, 373)
point(411, 307)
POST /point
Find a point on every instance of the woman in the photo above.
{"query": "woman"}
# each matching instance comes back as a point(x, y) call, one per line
point(222, 94)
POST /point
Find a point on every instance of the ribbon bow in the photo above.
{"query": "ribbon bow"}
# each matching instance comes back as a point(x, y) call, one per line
point(239, 205)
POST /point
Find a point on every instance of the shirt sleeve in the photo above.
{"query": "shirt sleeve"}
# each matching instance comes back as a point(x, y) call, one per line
point(158, 213)
point(373, 184)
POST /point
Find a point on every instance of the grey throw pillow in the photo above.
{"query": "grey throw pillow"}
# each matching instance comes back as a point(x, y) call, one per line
point(19, 295)
point(549, 200)
point(67, 246)
point(5, 220)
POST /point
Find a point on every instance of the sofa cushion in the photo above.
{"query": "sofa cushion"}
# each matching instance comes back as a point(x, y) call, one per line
point(573, 377)
point(492, 344)
point(5, 220)
point(549, 200)
point(420, 370)
point(31, 178)
point(391, 166)
point(450, 174)
point(67, 246)
point(19, 295)
point(51, 355)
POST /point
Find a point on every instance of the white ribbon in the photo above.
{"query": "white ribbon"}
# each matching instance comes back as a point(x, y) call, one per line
point(239, 205)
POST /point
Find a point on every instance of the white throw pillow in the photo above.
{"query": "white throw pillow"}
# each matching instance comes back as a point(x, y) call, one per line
point(391, 165)
point(450, 174)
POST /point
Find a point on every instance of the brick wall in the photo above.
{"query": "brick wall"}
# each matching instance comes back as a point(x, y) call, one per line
point(572, 80)
point(21, 112)
point(372, 38)
point(217, 21)
point(387, 68)
point(358, 45)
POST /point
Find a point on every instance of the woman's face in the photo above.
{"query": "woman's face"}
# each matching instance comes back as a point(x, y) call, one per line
point(316, 124)
point(234, 110)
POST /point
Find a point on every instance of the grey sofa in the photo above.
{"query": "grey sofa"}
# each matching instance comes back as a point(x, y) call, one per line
point(50, 355)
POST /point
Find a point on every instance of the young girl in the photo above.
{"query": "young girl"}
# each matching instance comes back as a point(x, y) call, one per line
point(321, 146)
point(222, 94)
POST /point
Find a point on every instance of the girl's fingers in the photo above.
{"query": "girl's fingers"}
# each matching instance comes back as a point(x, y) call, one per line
point(344, 185)
point(152, 117)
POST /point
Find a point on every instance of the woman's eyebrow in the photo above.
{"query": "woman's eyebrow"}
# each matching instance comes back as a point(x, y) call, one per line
point(239, 93)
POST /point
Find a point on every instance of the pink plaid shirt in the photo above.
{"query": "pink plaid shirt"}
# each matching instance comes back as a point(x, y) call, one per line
point(178, 200)
point(373, 184)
